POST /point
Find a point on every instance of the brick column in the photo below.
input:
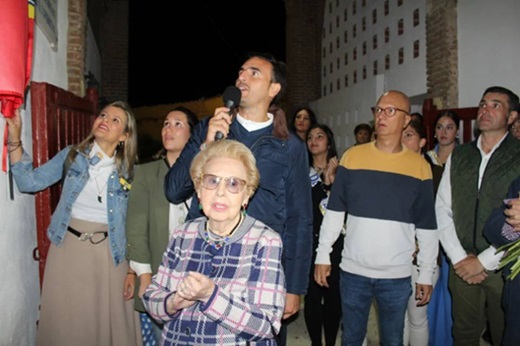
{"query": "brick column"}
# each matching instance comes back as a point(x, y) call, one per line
point(441, 56)
point(304, 23)
point(114, 50)
point(76, 43)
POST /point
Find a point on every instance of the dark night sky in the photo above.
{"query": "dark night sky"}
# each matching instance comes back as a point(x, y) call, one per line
point(187, 50)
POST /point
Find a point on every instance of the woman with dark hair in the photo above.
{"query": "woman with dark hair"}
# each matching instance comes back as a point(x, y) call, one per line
point(302, 120)
point(82, 300)
point(416, 325)
point(446, 128)
point(439, 309)
point(151, 217)
point(322, 307)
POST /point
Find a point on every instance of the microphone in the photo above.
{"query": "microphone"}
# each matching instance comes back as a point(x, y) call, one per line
point(231, 97)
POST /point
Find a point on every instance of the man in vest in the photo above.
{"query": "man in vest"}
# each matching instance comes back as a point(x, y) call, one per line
point(475, 181)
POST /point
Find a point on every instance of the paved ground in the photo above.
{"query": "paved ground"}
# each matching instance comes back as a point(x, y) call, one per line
point(298, 336)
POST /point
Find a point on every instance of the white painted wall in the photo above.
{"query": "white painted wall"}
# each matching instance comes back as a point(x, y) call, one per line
point(488, 50)
point(20, 291)
point(343, 109)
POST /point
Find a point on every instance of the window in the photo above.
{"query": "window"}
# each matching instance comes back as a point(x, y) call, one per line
point(330, 7)
point(324, 71)
point(416, 48)
point(363, 3)
point(416, 19)
point(338, 84)
point(331, 90)
point(345, 15)
point(363, 24)
point(387, 62)
point(354, 7)
point(345, 36)
point(401, 55)
point(387, 8)
point(324, 52)
point(354, 31)
point(387, 35)
point(337, 42)
point(365, 48)
point(364, 72)
point(330, 47)
point(330, 68)
point(346, 80)
point(337, 21)
point(374, 42)
point(337, 3)
point(324, 90)
point(400, 27)
point(346, 59)
point(374, 68)
point(337, 63)
point(354, 54)
point(374, 16)
point(355, 77)
point(399, 2)
point(330, 28)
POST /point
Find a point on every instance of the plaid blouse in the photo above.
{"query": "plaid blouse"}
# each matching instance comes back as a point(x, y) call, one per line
point(247, 304)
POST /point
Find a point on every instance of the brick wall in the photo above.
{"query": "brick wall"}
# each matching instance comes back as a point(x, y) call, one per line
point(114, 51)
point(303, 51)
point(441, 57)
point(76, 43)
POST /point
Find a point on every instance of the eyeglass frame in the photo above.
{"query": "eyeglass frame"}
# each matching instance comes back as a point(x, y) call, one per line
point(384, 110)
point(226, 180)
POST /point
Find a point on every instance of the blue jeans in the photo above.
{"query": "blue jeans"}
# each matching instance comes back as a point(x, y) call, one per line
point(391, 296)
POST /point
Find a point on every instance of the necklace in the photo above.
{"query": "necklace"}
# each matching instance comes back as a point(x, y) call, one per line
point(216, 240)
point(100, 190)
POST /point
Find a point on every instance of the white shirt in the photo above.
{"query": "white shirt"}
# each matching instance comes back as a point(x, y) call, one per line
point(91, 204)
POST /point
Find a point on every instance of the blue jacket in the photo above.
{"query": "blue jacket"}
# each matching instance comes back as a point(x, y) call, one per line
point(282, 201)
point(34, 180)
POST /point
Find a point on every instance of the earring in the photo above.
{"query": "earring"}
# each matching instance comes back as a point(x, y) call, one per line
point(200, 206)
point(121, 144)
point(244, 212)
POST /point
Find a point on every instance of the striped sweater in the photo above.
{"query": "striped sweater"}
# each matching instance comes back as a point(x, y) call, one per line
point(389, 201)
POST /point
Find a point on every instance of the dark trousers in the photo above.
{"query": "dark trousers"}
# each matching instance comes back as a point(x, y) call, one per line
point(469, 308)
point(322, 306)
point(511, 301)
point(281, 338)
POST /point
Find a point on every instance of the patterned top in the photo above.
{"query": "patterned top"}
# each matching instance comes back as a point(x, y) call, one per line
point(247, 304)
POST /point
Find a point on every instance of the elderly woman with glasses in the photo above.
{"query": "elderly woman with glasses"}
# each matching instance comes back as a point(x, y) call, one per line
point(221, 280)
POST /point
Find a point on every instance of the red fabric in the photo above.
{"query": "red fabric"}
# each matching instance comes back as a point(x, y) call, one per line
point(17, 32)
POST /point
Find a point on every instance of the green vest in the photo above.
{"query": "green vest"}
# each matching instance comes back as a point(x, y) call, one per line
point(472, 207)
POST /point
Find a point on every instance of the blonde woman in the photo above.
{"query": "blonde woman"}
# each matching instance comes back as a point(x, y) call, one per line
point(82, 299)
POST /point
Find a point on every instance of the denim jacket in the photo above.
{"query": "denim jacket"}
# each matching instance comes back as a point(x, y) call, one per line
point(33, 180)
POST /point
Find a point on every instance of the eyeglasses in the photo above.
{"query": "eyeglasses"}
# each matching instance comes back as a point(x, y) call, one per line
point(409, 135)
point(233, 185)
point(389, 111)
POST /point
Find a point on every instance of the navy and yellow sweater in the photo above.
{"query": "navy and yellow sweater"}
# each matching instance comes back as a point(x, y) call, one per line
point(389, 201)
